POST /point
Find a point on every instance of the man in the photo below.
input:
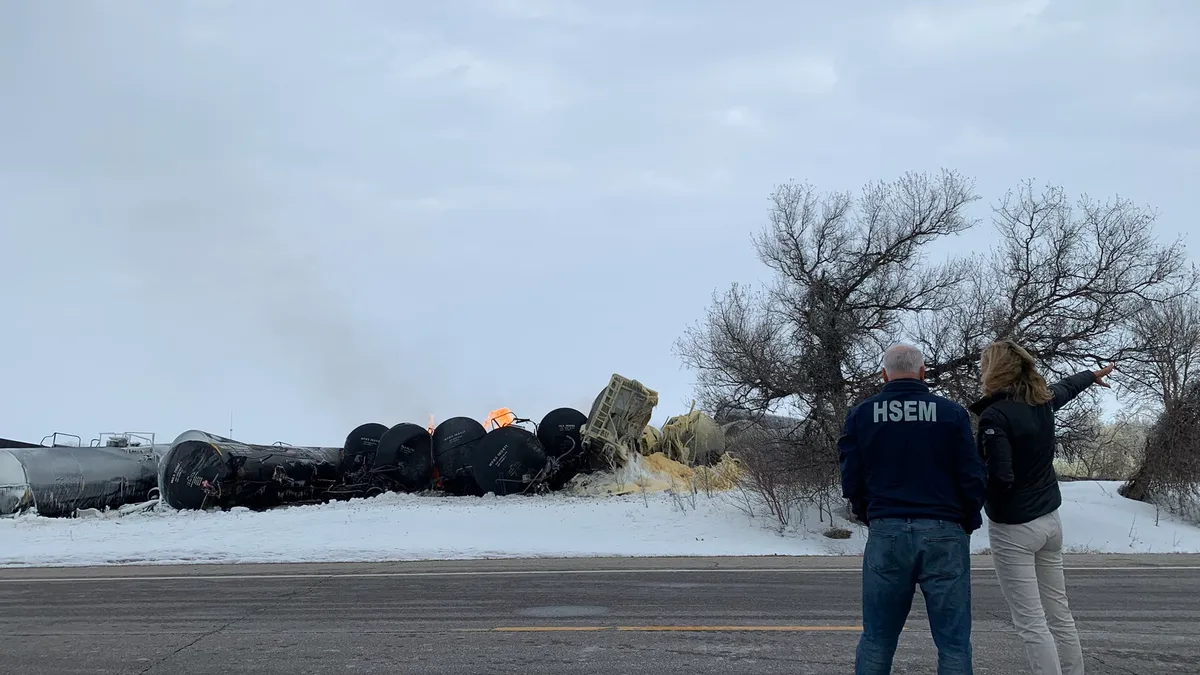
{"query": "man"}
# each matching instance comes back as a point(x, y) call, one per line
point(912, 474)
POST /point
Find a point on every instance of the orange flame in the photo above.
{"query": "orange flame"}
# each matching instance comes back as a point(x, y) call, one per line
point(500, 417)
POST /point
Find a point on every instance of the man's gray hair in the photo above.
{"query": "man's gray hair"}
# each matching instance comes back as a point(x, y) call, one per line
point(903, 359)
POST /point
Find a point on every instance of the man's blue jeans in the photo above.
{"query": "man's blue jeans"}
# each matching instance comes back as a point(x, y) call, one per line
point(902, 553)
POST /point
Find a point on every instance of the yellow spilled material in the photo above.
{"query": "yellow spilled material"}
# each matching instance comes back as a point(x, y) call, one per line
point(724, 475)
point(669, 469)
point(657, 473)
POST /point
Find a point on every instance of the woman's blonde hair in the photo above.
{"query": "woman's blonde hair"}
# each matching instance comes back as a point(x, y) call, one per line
point(1008, 366)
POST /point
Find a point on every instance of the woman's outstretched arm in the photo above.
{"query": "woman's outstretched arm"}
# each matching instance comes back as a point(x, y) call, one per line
point(1066, 389)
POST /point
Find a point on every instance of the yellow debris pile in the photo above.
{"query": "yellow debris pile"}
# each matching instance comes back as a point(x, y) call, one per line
point(724, 474)
point(656, 473)
point(671, 471)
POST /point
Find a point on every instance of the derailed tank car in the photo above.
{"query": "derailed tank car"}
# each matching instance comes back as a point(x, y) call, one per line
point(508, 460)
point(377, 459)
point(203, 471)
point(59, 480)
point(559, 436)
point(454, 442)
point(405, 458)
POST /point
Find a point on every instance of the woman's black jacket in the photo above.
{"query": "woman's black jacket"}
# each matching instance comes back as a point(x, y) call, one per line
point(1017, 442)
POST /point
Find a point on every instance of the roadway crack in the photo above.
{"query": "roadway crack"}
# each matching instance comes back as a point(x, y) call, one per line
point(290, 596)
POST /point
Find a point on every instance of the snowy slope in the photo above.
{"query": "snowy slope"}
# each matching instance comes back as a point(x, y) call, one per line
point(405, 527)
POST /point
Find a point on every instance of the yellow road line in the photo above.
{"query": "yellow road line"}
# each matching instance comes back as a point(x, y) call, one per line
point(677, 629)
point(549, 629)
point(785, 629)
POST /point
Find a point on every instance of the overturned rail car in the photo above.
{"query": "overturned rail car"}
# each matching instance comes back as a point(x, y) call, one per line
point(59, 480)
point(203, 471)
point(508, 460)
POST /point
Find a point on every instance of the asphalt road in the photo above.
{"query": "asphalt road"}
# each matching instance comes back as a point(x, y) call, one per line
point(1138, 615)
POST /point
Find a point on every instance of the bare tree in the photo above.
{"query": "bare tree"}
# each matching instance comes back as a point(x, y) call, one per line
point(1067, 281)
point(1170, 474)
point(1164, 372)
point(1165, 359)
point(849, 272)
point(769, 469)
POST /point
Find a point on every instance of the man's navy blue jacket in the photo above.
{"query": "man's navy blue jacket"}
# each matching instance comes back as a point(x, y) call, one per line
point(908, 453)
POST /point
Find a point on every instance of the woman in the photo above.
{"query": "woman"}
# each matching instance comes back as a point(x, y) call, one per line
point(1016, 437)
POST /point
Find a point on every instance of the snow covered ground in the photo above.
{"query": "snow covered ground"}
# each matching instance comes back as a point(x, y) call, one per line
point(406, 527)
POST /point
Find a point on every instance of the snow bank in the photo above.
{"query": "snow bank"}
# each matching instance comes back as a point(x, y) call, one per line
point(407, 527)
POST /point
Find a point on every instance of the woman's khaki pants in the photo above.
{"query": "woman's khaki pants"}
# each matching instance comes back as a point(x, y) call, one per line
point(1029, 565)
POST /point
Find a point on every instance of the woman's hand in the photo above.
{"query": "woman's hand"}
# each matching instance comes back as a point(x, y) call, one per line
point(1103, 373)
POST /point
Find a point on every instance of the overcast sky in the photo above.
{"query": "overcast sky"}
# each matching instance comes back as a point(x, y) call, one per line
point(319, 214)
